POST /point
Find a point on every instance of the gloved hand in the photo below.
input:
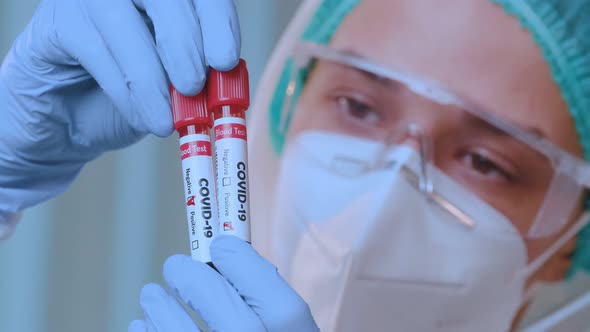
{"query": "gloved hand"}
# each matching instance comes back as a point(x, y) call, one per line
point(87, 76)
point(247, 294)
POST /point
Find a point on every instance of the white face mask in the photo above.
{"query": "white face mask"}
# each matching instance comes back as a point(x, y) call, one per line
point(372, 253)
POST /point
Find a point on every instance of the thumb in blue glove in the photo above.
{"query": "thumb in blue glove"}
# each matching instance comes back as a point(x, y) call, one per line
point(247, 294)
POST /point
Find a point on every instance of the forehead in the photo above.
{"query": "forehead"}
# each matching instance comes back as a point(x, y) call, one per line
point(473, 47)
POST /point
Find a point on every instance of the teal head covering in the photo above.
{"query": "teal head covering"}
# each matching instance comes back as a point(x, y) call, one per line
point(561, 28)
point(323, 24)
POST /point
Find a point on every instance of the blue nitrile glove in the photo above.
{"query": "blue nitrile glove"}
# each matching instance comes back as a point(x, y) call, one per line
point(247, 294)
point(87, 76)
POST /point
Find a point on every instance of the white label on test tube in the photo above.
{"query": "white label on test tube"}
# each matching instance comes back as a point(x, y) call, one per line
point(199, 190)
point(231, 159)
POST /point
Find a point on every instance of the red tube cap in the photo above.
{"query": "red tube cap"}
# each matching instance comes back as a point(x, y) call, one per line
point(229, 88)
point(187, 111)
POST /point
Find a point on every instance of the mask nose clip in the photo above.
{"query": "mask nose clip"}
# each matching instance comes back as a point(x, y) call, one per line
point(414, 132)
point(422, 178)
point(414, 136)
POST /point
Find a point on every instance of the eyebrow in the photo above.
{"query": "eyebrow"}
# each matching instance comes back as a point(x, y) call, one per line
point(371, 76)
point(536, 132)
point(483, 124)
point(352, 52)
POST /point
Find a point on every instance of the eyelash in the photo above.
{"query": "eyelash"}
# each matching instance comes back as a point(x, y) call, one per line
point(493, 169)
point(355, 107)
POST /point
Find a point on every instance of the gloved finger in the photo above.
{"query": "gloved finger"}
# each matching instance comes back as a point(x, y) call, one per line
point(209, 295)
point(221, 32)
point(258, 282)
point(132, 48)
point(179, 42)
point(137, 326)
point(163, 312)
point(97, 59)
point(150, 326)
point(107, 128)
point(142, 326)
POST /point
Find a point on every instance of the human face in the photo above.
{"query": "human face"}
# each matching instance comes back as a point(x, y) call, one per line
point(476, 50)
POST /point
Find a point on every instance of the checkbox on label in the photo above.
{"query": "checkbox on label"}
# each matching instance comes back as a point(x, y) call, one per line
point(195, 244)
point(226, 181)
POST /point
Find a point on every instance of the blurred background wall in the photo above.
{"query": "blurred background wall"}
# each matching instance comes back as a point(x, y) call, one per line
point(78, 262)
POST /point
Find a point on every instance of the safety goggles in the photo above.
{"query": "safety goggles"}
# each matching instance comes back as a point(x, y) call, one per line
point(527, 178)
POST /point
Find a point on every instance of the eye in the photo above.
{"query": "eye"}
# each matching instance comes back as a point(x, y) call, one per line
point(358, 109)
point(485, 165)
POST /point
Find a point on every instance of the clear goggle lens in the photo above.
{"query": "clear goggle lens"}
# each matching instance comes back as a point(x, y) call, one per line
point(536, 185)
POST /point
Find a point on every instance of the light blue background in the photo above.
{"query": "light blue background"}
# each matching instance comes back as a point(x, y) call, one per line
point(78, 262)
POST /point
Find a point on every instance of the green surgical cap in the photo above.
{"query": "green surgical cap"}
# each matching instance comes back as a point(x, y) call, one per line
point(323, 24)
point(561, 28)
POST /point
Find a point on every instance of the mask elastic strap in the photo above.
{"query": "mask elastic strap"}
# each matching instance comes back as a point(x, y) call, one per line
point(574, 309)
point(544, 257)
point(530, 293)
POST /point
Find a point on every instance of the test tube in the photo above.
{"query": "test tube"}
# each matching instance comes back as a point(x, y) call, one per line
point(229, 98)
point(193, 122)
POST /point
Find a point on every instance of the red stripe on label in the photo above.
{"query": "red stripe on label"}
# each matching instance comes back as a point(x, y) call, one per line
point(195, 148)
point(230, 130)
